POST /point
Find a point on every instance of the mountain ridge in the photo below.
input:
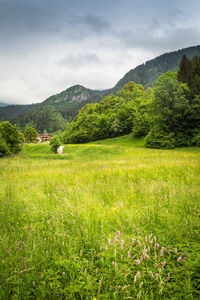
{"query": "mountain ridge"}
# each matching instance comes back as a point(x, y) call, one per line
point(72, 99)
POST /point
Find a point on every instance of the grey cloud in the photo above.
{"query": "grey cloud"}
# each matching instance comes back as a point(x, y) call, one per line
point(79, 59)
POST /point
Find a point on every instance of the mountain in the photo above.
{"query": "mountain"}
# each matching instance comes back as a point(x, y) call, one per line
point(148, 73)
point(2, 104)
point(69, 102)
point(63, 106)
point(8, 112)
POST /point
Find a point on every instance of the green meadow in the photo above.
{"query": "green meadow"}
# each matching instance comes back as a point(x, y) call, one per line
point(105, 220)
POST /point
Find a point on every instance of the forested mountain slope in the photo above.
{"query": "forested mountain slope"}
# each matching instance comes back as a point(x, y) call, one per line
point(67, 103)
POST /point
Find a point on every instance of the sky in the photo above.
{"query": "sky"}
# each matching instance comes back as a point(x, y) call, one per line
point(49, 45)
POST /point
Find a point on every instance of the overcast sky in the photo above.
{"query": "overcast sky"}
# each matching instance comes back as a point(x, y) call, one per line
point(47, 46)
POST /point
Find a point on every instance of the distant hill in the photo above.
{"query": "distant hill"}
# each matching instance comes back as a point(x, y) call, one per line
point(2, 104)
point(70, 101)
point(8, 112)
point(148, 73)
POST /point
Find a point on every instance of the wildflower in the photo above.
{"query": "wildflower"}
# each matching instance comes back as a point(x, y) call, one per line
point(137, 261)
point(156, 245)
point(74, 221)
point(148, 249)
point(133, 241)
point(109, 241)
point(163, 264)
point(152, 276)
point(150, 236)
point(139, 243)
point(180, 258)
point(122, 242)
point(115, 265)
point(116, 239)
point(175, 250)
point(129, 254)
point(23, 242)
point(168, 276)
point(25, 258)
point(161, 252)
point(115, 252)
point(18, 242)
point(106, 247)
point(119, 233)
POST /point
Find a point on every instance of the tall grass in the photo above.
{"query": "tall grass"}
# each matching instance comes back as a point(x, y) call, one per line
point(110, 220)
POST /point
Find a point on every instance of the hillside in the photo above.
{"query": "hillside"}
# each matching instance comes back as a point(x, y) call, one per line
point(148, 73)
point(9, 112)
point(70, 101)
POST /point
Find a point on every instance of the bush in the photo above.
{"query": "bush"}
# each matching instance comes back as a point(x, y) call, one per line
point(30, 134)
point(160, 139)
point(4, 150)
point(55, 143)
point(11, 136)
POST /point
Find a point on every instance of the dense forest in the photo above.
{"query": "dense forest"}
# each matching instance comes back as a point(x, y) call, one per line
point(168, 115)
point(68, 103)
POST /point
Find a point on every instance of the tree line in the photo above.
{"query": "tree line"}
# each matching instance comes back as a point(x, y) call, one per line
point(167, 116)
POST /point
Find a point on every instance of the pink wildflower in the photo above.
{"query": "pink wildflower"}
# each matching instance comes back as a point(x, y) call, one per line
point(168, 277)
point(116, 239)
point(152, 276)
point(133, 241)
point(137, 261)
point(122, 243)
point(129, 254)
point(175, 250)
point(109, 241)
point(119, 233)
point(180, 258)
point(115, 251)
point(106, 247)
point(161, 252)
point(163, 264)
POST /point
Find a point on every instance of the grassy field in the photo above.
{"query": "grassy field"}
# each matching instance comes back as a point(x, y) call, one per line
point(105, 220)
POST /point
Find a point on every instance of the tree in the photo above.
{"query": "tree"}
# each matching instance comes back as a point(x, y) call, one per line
point(30, 134)
point(169, 114)
point(12, 137)
point(4, 150)
point(55, 143)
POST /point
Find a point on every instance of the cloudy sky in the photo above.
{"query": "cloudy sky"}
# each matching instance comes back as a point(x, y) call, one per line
point(50, 45)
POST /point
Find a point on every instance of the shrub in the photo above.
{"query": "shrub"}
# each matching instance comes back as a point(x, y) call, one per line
point(55, 143)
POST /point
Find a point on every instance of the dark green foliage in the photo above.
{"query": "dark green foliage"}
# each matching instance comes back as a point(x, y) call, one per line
point(4, 150)
point(11, 138)
point(55, 143)
point(189, 72)
point(30, 134)
point(42, 118)
point(175, 116)
point(113, 116)
point(9, 112)
point(147, 74)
